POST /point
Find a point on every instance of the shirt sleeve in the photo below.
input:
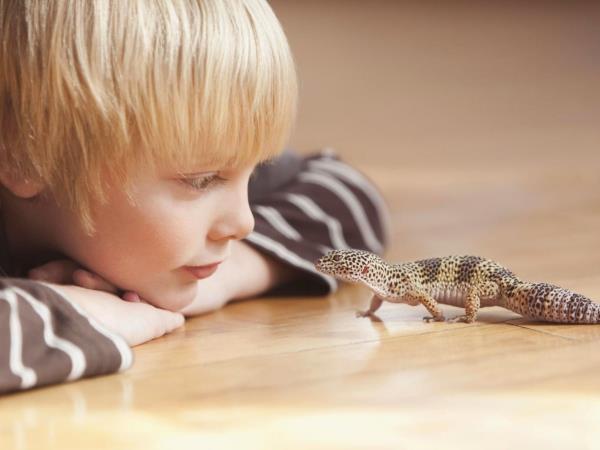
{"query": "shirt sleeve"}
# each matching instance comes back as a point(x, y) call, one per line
point(46, 339)
point(306, 206)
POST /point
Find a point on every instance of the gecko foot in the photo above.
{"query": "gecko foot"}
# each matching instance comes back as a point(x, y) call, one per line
point(456, 319)
point(368, 314)
point(433, 319)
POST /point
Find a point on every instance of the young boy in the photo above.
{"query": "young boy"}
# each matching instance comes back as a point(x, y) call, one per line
point(140, 178)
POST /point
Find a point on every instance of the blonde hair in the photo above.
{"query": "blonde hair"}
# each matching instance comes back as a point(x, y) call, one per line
point(95, 87)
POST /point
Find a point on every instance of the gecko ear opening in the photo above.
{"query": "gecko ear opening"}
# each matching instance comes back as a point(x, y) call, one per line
point(365, 270)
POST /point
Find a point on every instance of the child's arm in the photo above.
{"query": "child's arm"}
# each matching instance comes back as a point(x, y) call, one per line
point(45, 339)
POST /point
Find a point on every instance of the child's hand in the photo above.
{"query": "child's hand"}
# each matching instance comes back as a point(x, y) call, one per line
point(135, 322)
point(66, 271)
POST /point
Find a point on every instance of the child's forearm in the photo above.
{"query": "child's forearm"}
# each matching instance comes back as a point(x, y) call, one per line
point(246, 273)
point(257, 272)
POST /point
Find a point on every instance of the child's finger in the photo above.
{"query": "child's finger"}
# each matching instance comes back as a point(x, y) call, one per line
point(131, 297)
point(90, 280)
point(59, 271)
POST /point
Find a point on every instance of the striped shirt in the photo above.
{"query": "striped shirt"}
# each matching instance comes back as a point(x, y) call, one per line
point(303, 207)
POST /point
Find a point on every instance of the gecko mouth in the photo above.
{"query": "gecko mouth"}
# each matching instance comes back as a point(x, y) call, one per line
point(339, 276)
point(326, 271)
point(335, 272)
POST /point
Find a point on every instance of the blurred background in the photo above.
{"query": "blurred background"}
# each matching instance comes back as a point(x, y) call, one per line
point(438, 82)
point(478, 120)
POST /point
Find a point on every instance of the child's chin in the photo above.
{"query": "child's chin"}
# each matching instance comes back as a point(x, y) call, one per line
point(176, 299)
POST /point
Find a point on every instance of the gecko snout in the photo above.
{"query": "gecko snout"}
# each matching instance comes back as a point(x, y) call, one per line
point(324, 265)
point(330, 264)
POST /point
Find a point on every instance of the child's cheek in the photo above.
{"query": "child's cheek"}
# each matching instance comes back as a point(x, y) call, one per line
point(162, 243)
point(144, 248)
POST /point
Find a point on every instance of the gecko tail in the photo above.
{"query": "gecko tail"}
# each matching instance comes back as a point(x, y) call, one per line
point(549, 303)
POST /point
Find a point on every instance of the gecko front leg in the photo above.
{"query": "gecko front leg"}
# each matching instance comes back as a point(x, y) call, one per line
point(375, 304)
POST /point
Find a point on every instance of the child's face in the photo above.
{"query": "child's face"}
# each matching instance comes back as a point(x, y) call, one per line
point(144, 248)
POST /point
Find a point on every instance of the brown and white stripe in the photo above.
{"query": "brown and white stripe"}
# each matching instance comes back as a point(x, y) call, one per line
point(46, 339)
point(324, 205)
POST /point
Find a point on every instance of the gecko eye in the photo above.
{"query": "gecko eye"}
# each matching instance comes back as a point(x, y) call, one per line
point(337, 258)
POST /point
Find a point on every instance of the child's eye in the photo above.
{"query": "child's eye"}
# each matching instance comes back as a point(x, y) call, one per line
point(204, 182)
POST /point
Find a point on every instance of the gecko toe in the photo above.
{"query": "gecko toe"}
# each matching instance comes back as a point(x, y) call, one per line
point(433, 319)
point(457, 319)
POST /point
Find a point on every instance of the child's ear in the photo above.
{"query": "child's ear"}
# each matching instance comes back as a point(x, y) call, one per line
point(19, 186)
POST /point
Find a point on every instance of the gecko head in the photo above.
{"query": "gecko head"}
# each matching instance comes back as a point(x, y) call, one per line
point(348, 265)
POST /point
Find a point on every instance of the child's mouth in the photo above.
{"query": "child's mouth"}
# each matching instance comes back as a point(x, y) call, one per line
point(202, 271)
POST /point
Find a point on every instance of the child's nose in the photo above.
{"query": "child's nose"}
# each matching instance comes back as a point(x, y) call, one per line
point(236, 222)
point(245, 221)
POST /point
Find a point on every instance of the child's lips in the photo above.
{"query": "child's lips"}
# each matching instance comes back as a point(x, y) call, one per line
point(202, 271)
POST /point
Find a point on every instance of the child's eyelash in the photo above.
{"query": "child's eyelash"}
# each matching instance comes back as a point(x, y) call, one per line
point(203, 183)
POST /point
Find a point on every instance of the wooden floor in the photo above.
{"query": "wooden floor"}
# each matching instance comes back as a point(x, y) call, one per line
point(480, 124)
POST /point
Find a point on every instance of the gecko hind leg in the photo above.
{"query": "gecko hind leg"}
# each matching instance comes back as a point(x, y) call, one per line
point(472, 304)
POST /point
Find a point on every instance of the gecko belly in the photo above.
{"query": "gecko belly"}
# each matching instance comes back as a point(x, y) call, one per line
point(452, 294)
point(456, 295)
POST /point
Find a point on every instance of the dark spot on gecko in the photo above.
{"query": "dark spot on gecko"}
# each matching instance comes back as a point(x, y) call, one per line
point(430, 269)
point(466, 269)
